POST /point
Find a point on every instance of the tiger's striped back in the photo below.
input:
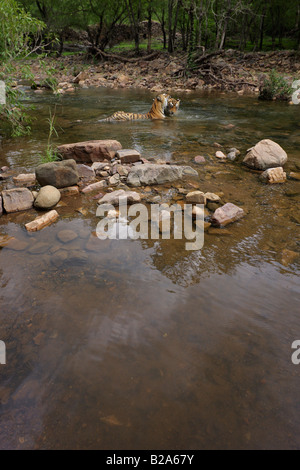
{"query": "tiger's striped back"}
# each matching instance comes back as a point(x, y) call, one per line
point(157, 111)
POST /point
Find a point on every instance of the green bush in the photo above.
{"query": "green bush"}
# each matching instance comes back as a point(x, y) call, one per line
point(276, 87)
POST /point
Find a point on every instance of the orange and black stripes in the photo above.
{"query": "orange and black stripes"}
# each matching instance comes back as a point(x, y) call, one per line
point(159, 109)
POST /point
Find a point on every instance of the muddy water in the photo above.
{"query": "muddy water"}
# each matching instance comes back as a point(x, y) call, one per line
point(142, 344)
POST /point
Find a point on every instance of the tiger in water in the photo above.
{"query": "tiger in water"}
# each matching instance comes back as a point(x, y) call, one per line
point(172, 107)
point(163, 105)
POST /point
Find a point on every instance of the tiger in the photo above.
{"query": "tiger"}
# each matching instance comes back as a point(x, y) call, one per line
point(157, 111)
point(172, 107)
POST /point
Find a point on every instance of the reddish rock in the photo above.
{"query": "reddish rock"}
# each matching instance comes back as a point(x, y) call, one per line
point(94, 187)
point(128, 156)
point(90, 151)
point(226, 214)
point(69, 191)
point(199, 159)
point(18, 199)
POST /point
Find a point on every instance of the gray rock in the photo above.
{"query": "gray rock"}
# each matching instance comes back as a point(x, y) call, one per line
point(58, 174)
point(157, 174)
point(266, 154)
point(120, 196)
point(226, 214)
point(1, 206)
point(114, 180)
point(18, 199)
point(85, 172)
point(47, 197)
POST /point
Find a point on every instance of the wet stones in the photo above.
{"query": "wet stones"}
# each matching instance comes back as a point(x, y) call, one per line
point(121, 196)
point(273, 175)
point(85, 172)
point(66, 236)
point(196, 197)
point(266, 154)
point(28, 179)
point(128, 156)
point(69, 191)
point(58, 174)
point(94, 187)
point(148, 174)
point(199, 159)
point(47, 197)
point(18, 199)
point(90, 151)
point(227, 214)
point(43, 221)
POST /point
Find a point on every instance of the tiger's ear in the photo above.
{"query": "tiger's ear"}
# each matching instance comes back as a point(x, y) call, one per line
point(158, 98)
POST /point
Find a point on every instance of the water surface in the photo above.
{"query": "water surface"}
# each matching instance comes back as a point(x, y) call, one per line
point(142, 344)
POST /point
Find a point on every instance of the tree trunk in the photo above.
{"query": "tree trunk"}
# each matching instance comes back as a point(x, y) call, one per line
point(149, 27)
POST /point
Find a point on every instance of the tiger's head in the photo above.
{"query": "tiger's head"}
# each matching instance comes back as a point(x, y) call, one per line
point(159, 106)
point(172, 107)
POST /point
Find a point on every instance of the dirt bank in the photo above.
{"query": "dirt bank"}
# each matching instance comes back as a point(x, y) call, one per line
point(229, 70)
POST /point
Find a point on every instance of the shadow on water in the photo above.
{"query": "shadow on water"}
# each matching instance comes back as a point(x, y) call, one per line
point(142, 344)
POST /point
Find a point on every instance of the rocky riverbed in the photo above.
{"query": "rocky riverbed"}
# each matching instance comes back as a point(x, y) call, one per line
point(102, 172)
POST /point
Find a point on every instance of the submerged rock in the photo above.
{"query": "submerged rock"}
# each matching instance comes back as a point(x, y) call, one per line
point(58, 174)
point(66, 236)
point(149, 173)
point(18, 199)
point(266, 154)
point(226, 214)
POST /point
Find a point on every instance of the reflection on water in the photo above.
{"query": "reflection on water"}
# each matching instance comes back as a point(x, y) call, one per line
point(142, 344)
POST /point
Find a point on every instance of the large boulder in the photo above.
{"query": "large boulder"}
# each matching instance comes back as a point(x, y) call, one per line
point(48, 197)
point(266, 154)
point(90, 151)
point(58, 174)
point(18, 199)
point(149, 173)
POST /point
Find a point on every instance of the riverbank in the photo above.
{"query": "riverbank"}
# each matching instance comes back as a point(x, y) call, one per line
point(227, 71)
